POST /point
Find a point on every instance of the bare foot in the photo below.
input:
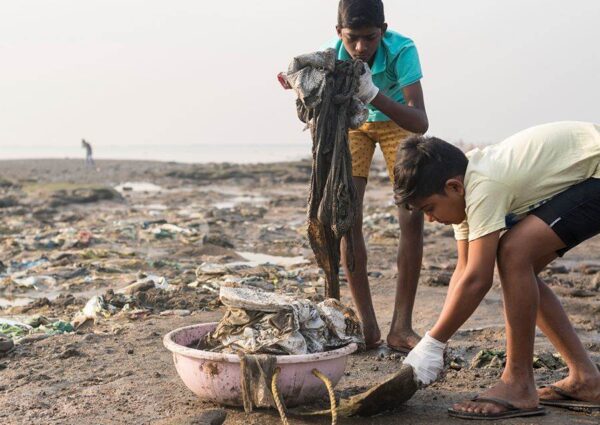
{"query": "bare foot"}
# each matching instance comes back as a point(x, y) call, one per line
point(372, 335)
point(587, 390)
point(403, 341)
point(521, 396)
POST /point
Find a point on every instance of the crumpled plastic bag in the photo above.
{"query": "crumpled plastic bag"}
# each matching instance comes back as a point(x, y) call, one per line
point(95, 308)
point(258, 322)
point(307, 74)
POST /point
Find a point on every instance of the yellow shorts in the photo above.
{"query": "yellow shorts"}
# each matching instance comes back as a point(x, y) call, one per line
point(362, 145)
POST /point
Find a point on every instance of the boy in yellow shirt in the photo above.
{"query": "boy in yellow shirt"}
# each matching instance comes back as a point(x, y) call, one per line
point(543, 185)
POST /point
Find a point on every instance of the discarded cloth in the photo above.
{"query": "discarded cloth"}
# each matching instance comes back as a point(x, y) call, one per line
point(256, 376)
point(258, 322)
point(327, 103)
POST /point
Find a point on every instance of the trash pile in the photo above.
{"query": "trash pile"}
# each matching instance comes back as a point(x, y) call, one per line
point(259, 322)
point(83, 254)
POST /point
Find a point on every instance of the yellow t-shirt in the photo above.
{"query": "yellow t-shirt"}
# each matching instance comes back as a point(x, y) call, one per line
point(505, 181)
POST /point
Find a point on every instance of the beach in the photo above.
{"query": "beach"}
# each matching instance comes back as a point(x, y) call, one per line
point(70, 233)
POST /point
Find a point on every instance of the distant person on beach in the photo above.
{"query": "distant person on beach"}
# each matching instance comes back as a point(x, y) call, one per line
point(392, 90)
point(519, 204)
point(89, 161)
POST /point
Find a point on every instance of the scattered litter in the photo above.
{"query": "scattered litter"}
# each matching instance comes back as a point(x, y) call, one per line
point(150, 281)
point(33, 325)
point(13, 328)
point(489, 359)
point(255, 259)
point(180, 313)
point(95, 308)
point(35, 282)
point(546, 360)
point(170, 231)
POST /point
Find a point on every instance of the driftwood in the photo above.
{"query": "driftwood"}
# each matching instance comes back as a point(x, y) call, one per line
point(394, 391)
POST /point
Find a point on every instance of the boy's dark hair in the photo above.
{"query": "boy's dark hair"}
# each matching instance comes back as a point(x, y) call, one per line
point(423, 165)
point(360, 14)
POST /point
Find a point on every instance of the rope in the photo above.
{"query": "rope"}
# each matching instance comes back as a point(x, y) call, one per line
point(329, 386)
point(277, 397)
point(281, 407)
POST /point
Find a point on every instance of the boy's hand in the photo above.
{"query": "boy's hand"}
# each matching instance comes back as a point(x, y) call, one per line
point(427, 360)
point(367, 90)
point(283, 81)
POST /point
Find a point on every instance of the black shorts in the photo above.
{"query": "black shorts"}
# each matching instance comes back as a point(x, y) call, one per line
point(574, 214)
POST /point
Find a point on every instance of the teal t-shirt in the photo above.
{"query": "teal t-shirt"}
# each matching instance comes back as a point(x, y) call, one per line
point(396, 66)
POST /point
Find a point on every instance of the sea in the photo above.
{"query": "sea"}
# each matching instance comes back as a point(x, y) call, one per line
point(193, 153)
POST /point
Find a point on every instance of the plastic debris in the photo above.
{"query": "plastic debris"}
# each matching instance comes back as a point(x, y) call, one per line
point(95, 308)
point(35, 281)
point(14, 329)
point(489, 359)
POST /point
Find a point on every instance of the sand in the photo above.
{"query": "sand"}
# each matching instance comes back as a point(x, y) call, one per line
point(117, 371)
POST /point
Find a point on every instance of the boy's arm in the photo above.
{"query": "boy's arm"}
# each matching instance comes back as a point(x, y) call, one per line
point(470, 288)
point(466, 292)
point(462, 247)
point(412, 116)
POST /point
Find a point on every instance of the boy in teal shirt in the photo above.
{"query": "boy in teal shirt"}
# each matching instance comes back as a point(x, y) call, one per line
point(392, 91)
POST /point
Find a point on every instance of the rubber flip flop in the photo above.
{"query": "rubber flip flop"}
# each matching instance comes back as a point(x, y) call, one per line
point(568, 400)
point(510, 412)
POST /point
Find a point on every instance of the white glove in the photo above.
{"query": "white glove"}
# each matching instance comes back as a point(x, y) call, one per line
point(367, 90)
point(427, 360)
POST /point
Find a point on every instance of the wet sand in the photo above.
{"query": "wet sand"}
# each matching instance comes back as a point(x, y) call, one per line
point(69, 233)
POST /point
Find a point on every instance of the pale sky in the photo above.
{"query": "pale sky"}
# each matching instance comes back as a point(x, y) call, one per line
point(184, 72)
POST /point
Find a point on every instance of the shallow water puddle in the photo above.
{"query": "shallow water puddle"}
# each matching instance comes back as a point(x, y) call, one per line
point(32, 295)
point(237, 200)
point(254, 259)
point(14, 302)
point(138, 187)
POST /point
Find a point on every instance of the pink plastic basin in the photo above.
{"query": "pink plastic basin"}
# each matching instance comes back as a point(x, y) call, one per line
point(215, 377)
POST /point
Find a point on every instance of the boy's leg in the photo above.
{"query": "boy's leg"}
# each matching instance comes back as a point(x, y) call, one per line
point(409, 257)
point(574, 216)
point(520, 251)
point(410, 249)
point(583, 381)
point(560, 224)
point(358, 280)
point(362, 148)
